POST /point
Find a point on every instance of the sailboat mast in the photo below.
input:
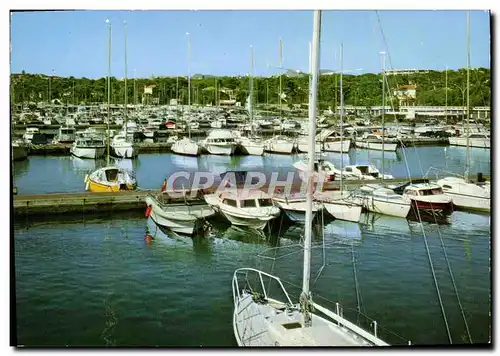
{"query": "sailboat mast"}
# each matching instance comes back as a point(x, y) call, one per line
point(126, 92)
point(305, 297)
point(109, 89)
point(341, 117)
point(467, 158)
point(281, 67)
point(383, 112)
point(189, 80)
point(189, 70)
point(250, 83)
point(446, 95)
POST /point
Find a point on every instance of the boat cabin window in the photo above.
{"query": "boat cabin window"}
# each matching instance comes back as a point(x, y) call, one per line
point(250, 203)
point(265, 202)
point(363, 169)
point(447, 186)
point(348, 169)
point(111, 175)
point(230, 202)
point(411, 192)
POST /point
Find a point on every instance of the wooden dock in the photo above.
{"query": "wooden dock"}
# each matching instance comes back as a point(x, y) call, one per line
point(86, 202)
point(67, 203)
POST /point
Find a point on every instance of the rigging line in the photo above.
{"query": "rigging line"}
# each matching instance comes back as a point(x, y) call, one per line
point(324, 249)
point(434, 277)
point(356, 281)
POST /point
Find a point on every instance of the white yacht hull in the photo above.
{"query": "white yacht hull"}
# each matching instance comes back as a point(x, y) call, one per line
point(88, 152)
point(181, 219)
point(224, 150)
point(279, 147)
point(304, 147)
point(473, 142)
point(186, 148)
point(342, 210)
point(125, 151)
point(253, 149)
point(469, 202)
point(337, 146)
point(254, 223)
point(386, 207)
point(377, 146)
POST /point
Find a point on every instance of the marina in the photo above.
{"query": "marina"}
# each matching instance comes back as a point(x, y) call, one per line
point(193, 211)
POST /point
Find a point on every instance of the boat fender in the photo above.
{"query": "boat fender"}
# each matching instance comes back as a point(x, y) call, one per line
point(148, 210)
point(87, 184)
point(86, 178)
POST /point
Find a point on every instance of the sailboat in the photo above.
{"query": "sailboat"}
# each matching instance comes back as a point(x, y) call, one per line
point(187, 146)
point(251, 145)
point(110, 178)
point(338, 203)
point(259, 319)
point(123, 145)
point(465, 194)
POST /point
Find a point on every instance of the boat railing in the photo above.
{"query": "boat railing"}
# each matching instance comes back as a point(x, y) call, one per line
point(260, 274)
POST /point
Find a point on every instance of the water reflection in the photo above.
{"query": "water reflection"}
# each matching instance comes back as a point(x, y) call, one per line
point(20, 168)
point(378, 222)
point(343, 232)
point(189, 163)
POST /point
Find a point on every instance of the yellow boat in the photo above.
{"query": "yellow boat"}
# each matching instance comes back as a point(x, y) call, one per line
point(110, 179)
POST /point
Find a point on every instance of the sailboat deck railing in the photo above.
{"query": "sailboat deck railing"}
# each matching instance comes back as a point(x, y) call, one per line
point(236, 288)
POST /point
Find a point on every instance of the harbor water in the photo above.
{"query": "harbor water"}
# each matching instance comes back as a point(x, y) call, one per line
point(93, 281)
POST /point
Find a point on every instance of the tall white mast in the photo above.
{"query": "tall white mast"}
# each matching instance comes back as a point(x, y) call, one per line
point(383, 112)
point(126, 91)
point(109, 88)
point(341, 117)
point(467, 157)
point(305, 297)
point(250, 83)
point(189, 79)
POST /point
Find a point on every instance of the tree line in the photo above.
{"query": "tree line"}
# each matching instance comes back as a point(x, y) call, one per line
point(434, 88)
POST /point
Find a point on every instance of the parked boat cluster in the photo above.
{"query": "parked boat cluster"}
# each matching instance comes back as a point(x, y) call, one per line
point(227, 131)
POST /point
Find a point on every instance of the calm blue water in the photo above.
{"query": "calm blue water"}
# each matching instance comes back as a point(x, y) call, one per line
point(41, 174)
point(94, 281)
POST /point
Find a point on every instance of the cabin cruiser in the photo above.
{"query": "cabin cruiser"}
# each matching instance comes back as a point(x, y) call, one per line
point(220, 142)
point(250, 208)
point(65, 135)
point(294, 206)
point(123, 147)
point(186, 146)
point(183, 217)
point(428, 197)
point(88, 147)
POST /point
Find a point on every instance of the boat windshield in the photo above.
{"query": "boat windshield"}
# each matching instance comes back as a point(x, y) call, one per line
point(265, 202)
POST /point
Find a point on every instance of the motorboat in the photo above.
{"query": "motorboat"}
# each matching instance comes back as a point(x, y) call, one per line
point(364, 171)
point(110, 179)
point(467, 195)
point(243, 207)
point(220, 142)
point(382, 200)
point(88, 147)
point(186, 146)
point(184, 216)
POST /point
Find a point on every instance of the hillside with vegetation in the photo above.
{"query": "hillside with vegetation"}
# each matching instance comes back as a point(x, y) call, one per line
point(361, 90)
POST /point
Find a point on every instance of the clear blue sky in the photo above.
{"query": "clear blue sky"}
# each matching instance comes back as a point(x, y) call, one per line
point(75, 42)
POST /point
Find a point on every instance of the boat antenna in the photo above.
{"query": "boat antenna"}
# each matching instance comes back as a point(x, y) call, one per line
point(305, 297)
